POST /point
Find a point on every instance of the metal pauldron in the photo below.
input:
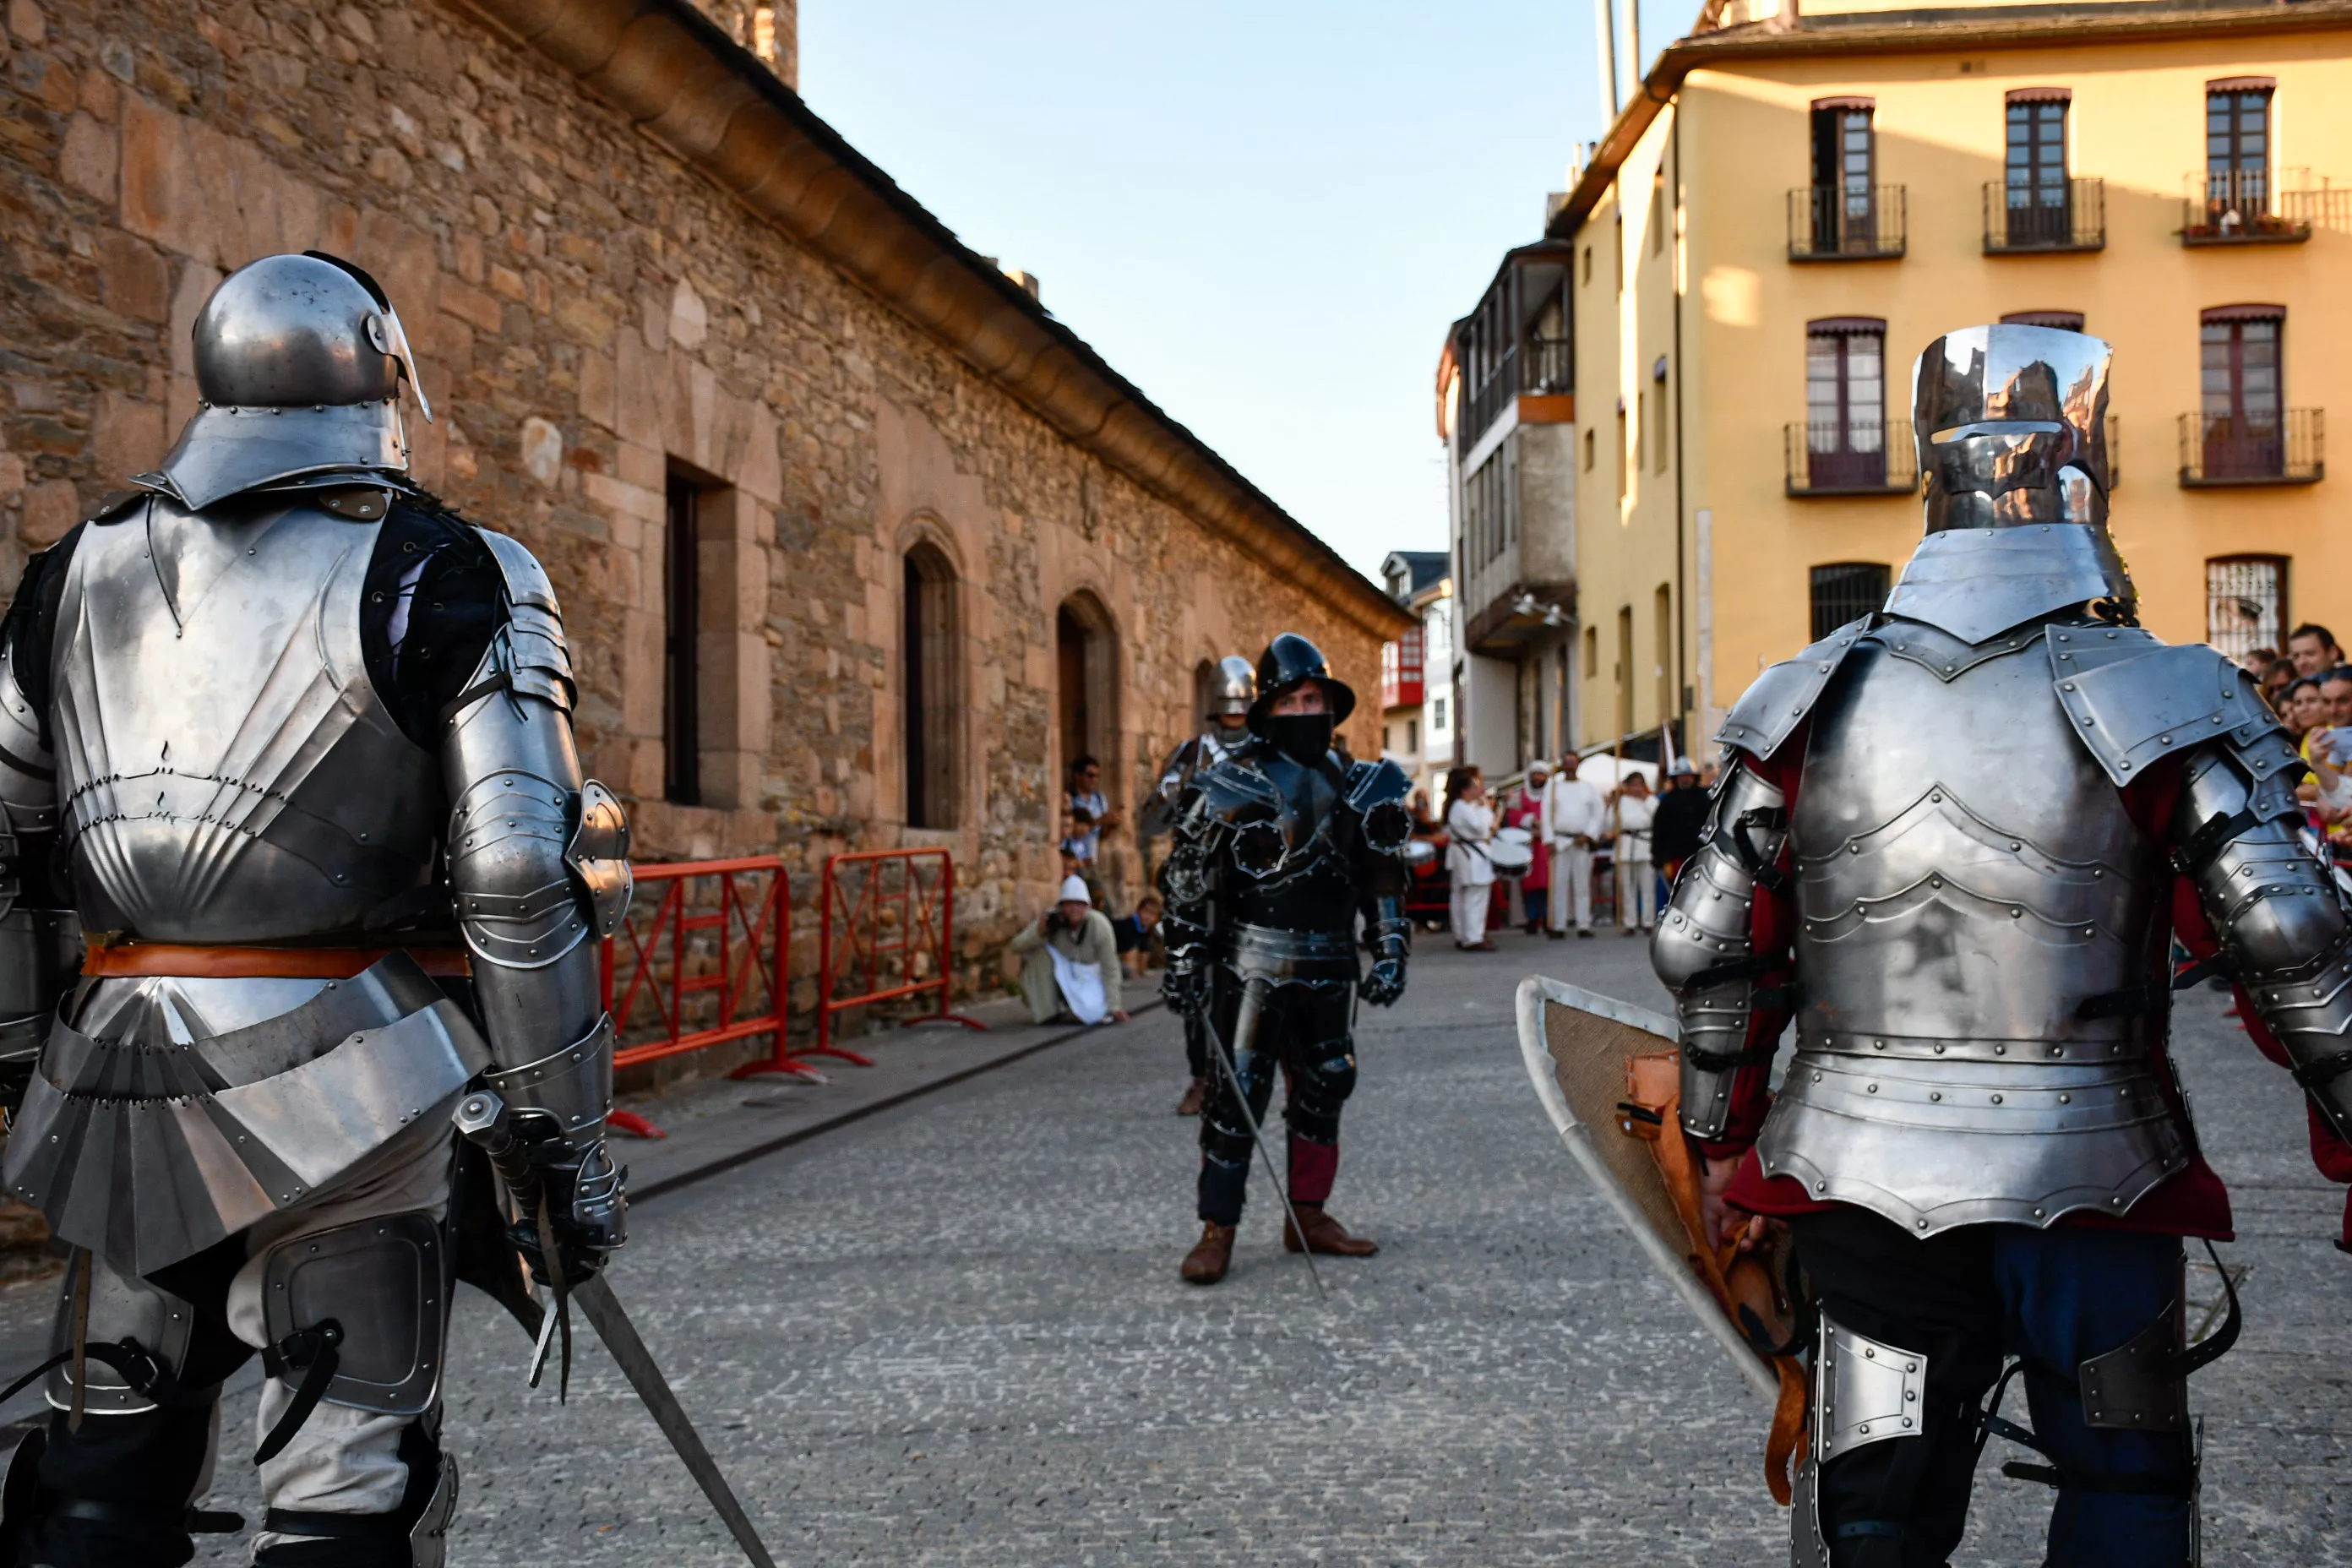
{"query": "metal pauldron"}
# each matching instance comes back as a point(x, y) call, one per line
point(2284, 933)
point(1705, 951)
point(571, 1088)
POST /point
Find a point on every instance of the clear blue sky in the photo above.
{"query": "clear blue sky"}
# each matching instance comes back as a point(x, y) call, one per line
point(1265, 215)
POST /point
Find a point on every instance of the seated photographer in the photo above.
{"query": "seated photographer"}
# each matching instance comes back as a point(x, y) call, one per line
point(1069, 961)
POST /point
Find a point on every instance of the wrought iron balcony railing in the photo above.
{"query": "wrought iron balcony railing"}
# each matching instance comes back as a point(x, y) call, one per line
point(2287, 448)
point(2044, 218)
point(1852, 458)
point(1828, 223)
point(2259, 206)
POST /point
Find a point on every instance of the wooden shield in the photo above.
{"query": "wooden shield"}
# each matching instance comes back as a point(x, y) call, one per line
point(1578, 1046)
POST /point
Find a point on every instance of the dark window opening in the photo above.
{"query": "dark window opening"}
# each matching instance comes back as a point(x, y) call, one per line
point(1845, 156)
point(2064, 321)
point(1844, 590)
point(2041, 210)
point(2244, 435)
point(681, 654)
point(928, 665)
point(2238, 151)
point(1845, 403)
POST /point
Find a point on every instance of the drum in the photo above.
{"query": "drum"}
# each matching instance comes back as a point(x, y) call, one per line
point(1509, 859)
point(1418, 852)
point(1514, 835)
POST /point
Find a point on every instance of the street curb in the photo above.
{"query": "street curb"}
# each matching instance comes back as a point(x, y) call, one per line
point(759, 1151)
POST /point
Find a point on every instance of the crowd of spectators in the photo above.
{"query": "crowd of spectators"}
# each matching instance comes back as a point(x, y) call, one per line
point(2310, 688)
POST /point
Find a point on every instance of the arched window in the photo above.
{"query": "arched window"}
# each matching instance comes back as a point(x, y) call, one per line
point(930, 671)
point(1086, 647)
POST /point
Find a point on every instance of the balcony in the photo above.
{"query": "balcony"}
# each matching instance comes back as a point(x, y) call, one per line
point(1852, 461)
point(2040, 220)
point(1543, 367)
point(2219, 450)
point(2259, 206)
point(1828, 224)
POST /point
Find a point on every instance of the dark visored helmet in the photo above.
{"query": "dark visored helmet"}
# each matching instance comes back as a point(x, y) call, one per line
point(1288, 662)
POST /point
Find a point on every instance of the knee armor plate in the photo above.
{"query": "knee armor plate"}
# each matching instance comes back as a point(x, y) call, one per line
point(125, 1309)
point(385, 1282)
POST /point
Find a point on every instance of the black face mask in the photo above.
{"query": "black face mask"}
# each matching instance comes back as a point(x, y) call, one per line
point(1302, 737)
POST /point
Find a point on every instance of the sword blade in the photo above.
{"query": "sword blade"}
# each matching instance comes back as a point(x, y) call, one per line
point(604, 1313)
point(1223, 1052)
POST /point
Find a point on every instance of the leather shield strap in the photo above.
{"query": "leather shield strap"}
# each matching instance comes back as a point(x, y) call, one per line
point(193, 962)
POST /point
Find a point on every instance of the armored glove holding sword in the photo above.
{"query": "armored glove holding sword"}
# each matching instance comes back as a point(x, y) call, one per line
point(287, 763)
point(1955, 842)
point(1278, 850)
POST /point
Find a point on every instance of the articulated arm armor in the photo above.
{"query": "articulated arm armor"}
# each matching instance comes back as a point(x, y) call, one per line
point(1705, 949)
point(1190, 882)
point(1375, 793)
point(538, 870)
point(2285, 932)
point(40, 948)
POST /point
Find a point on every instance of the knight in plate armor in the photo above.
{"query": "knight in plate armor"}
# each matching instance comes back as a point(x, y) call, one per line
point(1278, 849)
point(1955, 842)
point(1227, 731)
point(286, 765)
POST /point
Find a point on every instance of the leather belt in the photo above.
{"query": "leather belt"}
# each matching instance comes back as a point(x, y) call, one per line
point(207, 961)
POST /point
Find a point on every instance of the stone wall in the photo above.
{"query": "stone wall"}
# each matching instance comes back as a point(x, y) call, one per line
point(591, 315)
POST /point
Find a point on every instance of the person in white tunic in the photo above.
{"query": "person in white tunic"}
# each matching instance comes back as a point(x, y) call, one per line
point(1470, 823)
point(1069, 961)
point(1573, 817)
point(1632, 810)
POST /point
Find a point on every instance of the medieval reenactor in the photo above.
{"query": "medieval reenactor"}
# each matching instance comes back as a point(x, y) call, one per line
point(1955, 841)
point(1279, 849)
point(287, 759)
point(1228, 728)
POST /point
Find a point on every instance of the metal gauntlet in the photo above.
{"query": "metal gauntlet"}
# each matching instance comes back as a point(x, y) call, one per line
point(1390, 935)
point(1705, 949)
point(2284, 933)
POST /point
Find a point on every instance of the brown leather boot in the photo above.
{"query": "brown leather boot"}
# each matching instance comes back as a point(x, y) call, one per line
point(1190, 1104)
point(1211, 1255)
point(1325, 1236)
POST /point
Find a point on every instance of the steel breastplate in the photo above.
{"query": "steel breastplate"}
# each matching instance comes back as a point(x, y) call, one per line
point(225, 771)
point(1967, 880)
point(1293, 871)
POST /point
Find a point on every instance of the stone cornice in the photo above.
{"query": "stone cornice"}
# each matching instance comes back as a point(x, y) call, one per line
point(664, 66)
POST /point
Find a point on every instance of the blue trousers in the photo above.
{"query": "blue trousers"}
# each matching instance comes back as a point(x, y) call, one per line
point(1966, 1298)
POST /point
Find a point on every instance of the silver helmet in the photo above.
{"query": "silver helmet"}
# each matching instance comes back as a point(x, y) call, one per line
point(298, 363)
point(2012, 424)
point(1237, 686)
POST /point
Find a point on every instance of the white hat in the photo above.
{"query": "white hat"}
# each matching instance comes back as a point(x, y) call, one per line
point(1539, 766)
point(1074, 891)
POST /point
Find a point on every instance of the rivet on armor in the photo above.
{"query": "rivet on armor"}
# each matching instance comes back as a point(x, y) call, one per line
point(1820, 1187)
point(1874, 1089)
point(1923, 1225)
point(1935, 1094)
point(1996, 1100)
point(2065, 1099)
point(2001, 1050)
point(2037, 1214)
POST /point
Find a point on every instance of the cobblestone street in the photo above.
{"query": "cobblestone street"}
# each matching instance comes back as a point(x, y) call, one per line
point(954, 1333)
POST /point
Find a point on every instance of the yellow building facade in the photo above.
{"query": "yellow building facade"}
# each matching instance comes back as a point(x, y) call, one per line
point(1797, 204)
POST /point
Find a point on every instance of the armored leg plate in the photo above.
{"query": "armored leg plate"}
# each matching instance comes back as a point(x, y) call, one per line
point(428, 1542)
point(1807, 1548)
point(2140, 1385)
point(385, 1282)
point(1864, 1392)
point(125, 1309)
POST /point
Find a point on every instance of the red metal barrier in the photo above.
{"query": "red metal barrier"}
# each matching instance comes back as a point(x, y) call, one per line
point(736, 951)
point(882, 966)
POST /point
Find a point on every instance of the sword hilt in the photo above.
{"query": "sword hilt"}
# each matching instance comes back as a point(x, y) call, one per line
point(484, 1121)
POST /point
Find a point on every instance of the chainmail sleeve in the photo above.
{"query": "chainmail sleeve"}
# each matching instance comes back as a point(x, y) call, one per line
point(1730, 989)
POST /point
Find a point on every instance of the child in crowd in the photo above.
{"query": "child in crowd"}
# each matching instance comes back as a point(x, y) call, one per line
point(1077, 841)
point(1135, 931)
